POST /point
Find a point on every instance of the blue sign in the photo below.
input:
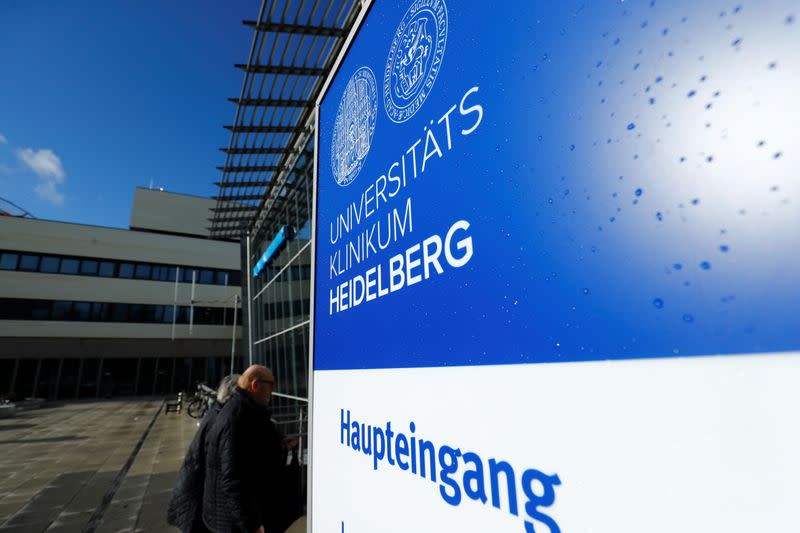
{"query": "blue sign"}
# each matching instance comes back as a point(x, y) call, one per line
point(560, 181)
point(610, 185)
point(272, 249)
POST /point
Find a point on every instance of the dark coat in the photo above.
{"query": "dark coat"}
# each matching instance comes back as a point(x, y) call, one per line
point(185, 502)
point(244, 457)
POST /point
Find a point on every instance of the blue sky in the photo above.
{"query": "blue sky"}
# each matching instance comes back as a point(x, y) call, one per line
point(98, 97)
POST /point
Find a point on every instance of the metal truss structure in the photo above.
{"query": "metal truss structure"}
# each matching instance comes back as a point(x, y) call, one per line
point(270, 152)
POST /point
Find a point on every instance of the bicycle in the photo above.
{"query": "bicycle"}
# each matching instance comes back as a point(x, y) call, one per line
point(201, 401)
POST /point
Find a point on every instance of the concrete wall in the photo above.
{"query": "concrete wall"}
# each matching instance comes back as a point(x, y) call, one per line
point(156, 210)
point(93, 241)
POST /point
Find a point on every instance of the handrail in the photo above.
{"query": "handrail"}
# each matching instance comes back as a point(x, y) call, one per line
point(290, 397)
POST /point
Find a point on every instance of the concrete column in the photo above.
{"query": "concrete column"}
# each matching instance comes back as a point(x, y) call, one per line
point(155, 377)
point(80, 377)
point(99, 378)
point(36, 379)
point(14, 376)
point(136, 382)
point(58, 376)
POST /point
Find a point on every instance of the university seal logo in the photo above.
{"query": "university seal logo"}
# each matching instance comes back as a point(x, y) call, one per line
point(354, 126)
point(415, 58)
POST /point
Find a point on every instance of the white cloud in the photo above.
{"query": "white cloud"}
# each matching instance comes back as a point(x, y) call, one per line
point(44, 162)
point(46, 189)
point(47, 165)
point(3, 139)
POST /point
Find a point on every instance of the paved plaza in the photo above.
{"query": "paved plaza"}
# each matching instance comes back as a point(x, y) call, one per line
point(64, 468)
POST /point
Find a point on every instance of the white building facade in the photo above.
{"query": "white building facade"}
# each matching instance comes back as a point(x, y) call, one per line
point(90, 311)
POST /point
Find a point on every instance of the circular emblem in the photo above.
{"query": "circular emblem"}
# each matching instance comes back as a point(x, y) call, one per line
point(415, 58)
point(354, 126)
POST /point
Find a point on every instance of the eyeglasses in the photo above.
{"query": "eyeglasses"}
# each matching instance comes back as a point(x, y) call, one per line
point(267, 382)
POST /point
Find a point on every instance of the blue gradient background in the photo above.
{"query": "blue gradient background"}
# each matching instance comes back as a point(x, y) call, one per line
point(691, 104)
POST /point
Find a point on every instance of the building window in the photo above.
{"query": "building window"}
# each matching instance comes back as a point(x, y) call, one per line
point(142, 271)
point(187, 275)
point(88, 267)
point(29, 263)
point(206, 277)
point(49, 264)
point(100, 312)
point(62, 310)
point(119, 313)
point(107, 269)
point(126, 270)
point(69, 266)
point(81, 311)
point(8, 261)
point(39, 310)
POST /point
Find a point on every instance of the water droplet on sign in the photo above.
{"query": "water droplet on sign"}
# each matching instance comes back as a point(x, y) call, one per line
point(631, 126)
point(723, 248)
point(658, 303)
point(705, 265)
point(688, 318)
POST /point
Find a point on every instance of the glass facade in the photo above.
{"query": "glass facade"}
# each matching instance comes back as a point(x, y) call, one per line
point(64, 310)
point(107, 268)
point(69, 378)
point(280, 304)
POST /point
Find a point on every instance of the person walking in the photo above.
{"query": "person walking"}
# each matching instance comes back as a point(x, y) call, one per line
point(244, 455)
point(185, 503)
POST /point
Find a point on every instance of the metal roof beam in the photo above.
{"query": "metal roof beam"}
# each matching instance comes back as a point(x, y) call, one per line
point(234, 209)
point(264, 150)
point(230, 219)
point(241, 183)
point(255, 168)
point(270, 102)
point(304, 29)
point(281, 69)
point(262, 129)
point(239, 198)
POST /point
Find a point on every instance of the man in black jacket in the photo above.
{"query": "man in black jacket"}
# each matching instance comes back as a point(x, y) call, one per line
point(186, 501)
point(243, 460)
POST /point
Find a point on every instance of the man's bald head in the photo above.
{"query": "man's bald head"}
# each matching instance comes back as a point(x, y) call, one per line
point(259, 382)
